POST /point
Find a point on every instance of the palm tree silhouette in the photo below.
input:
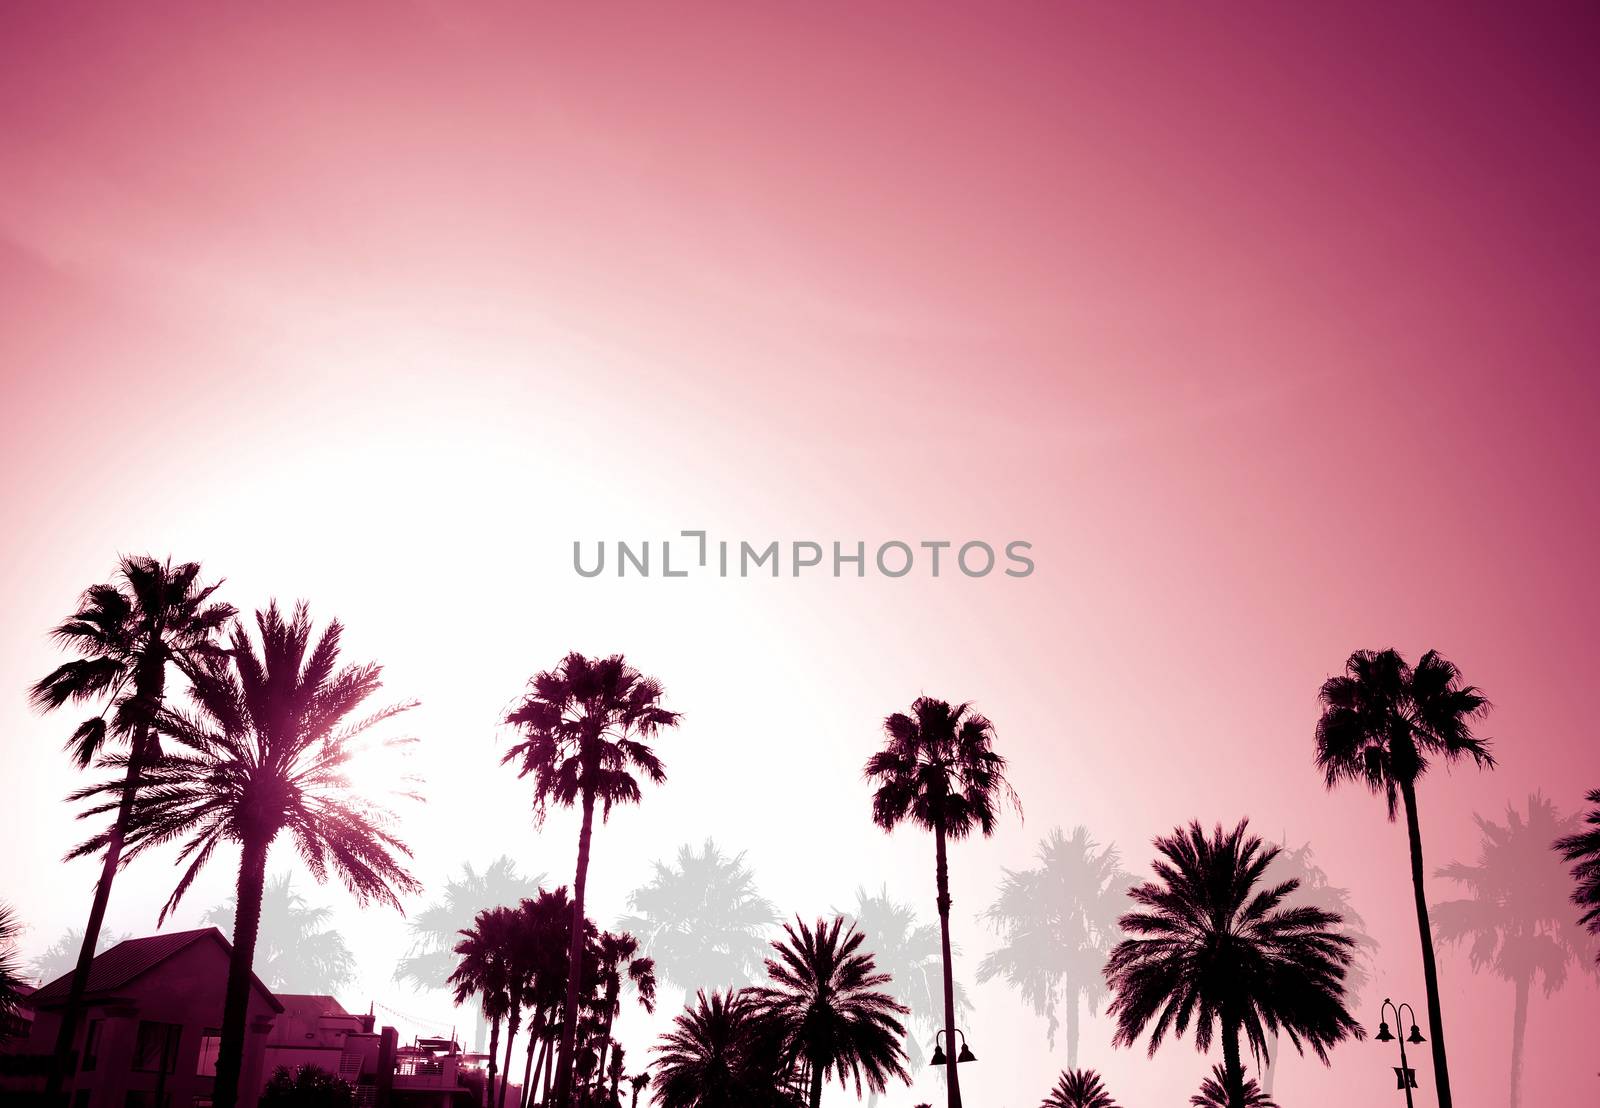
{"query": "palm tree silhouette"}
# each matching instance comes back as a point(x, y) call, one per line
point(836, 1021)
point(1315, 888)
point(1582, 850)
point(582, 726)
point(1079, 1089)
point(436, 929)
point(721, 1053)
point(265, 751)
point(640, 1082)
point(544, 930)
point(297, 951)
point(619, 961)
point(1210, 944)
point(1382, 724)
point(939, 770)
point(10, 970)
point(1214, 1093)
point(908, 952)
point(1516, 918)
point(127, 632)
point(484, 971)
point(59, 958)
point(1059, 923)
point(702, 919)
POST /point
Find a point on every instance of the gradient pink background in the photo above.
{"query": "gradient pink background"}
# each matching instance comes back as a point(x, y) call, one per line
point(1272, 327)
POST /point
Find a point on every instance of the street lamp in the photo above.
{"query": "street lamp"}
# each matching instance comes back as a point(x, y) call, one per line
point(963, 1055)
point(1405, 1077)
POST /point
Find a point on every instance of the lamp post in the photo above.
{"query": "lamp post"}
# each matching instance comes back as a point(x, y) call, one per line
point(1404, 1074)
point(963, 1055)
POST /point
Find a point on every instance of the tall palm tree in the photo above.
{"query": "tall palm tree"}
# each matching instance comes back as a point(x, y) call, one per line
point(1211, 945)
point(583, 726)
point(298, 950)
point(484, 972)
point(908, 951)
point(1383, 723)
point(721, 1053)
point(938, 769)
point(836, 1021)
point(1059, 923)
point(702, 919)
point(619, 963)
point(151, 616)
point(1582, 850)
point(1517, 918)
point(1079, 1089)
point(265, 751)
point(436, 929)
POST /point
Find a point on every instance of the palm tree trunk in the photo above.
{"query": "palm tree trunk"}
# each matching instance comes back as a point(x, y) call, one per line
point(1072, 1029)
point(1430, 972)
point(942, 881)
point(605, 1036)
point(1232, 1063)
point(535, 1030)
point(236, 1000)
point(512, 1024)
point(541, 1072)
point(494, 1047)
point(1519, 1027)
point(816, 1086)
point(569, 1015)
point(62, 1060)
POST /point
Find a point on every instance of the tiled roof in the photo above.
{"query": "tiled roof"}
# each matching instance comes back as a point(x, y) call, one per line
point(132, 958)
point(314, 1004)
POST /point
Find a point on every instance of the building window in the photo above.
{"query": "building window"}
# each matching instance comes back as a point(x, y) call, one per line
point(91, 1045)
point(156, 1049)
point(210, 1047)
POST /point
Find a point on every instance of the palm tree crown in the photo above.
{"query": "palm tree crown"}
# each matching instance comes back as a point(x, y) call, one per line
point(837, 1022)
point(1210, 947)
point(300, 951)
point(1079, 1089)
point(1582, 850)
point(939, 770)
point(721, 1053)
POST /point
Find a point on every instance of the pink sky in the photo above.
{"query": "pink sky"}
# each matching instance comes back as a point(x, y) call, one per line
point(1272, 329)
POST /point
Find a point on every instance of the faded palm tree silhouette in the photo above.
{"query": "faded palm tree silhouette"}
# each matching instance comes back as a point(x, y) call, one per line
point(722, 1052)
point(265, 751)
point(1383, 722)
point(1582, 850)
point(297, 952)
point(1211, 945)
point(58, 959)
point(437, 928)
point(1517, 920)
point(702, 920)
point(583, 726)
point(908, 951)
point(939, 770)
point(1079, 1089)
point(1058, 924)
point(825, 998)
point(151, 617)
point(1314, 888)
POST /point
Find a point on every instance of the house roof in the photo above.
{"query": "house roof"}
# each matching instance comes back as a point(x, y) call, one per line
point(311, 1004)
point(133, 958)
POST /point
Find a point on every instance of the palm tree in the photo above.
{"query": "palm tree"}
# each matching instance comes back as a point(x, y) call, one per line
point(127, 632)
point(908, 951)
point(10, 971)
point(702, 919)
point(639, 1081)
point(582, 726)
point(299, 951)
point(1059, 922)
point(619, 962)
point(721, 1053)
point(939, 770)
point(543, 933)
point(484, 972)
point(266, 751)
point(1214, 1093)
point(1383, 723)
point(1079, 1089)
point(1517, 917)
point(436, 929)
point(1213, 946)
point(1582, 850)
point(59, 958)
point(826, 1000)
